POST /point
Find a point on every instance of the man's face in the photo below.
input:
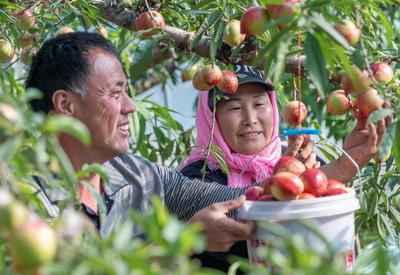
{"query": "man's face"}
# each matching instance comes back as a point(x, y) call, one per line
point(106, 106)
point(246, 119)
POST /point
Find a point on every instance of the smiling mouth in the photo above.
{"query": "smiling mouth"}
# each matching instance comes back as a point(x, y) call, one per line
point(124, 130)
point(124, 127)
point(250, 134)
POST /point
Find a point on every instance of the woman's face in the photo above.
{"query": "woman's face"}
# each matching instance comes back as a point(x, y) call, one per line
point(246, 119)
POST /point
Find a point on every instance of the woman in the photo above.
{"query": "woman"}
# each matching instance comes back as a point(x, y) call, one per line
point(246, 131)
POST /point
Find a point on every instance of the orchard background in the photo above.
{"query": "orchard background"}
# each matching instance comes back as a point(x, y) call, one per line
point(193, 35)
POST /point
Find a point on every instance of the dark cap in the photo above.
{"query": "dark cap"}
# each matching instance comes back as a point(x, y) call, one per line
point(245, 74)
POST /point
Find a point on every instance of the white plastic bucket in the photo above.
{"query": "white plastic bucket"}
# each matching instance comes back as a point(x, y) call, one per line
point(333, 217)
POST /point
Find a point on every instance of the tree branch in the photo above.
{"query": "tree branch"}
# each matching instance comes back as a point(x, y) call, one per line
point(182, 40)
point(143, 85)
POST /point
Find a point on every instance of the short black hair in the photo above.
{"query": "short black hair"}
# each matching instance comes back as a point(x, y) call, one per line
point(62, 63)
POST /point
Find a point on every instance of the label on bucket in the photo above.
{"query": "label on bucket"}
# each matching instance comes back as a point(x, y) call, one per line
point(348, 259)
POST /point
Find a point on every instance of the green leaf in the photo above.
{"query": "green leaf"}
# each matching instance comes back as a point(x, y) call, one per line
point(396, 146)
point(329, 29)
point(159, 135)
point(142, 57)
point(280, 59)
point(315, 64)
point(381, 228)
point(271, 47)
point(95, 168)
point(325, 47)
point(271, 2)
point(387, 25)
point(10, 146)
point(378, 115)
point(233, 269)
point(217, 150)
point(211, 19)
point(327, 154)
point(217, 40)
point(141, 108)
point(9, 5)
point(58, 123)
point(387, 222)
point(344, 61)
point(222, 163)
point(387, 144)
point(141, 137)
point(395, 213)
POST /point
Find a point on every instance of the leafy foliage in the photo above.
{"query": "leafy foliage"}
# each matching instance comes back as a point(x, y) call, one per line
point(29, 145)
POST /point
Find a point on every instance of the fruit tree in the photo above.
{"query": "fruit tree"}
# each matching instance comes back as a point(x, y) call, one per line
point(326, 60)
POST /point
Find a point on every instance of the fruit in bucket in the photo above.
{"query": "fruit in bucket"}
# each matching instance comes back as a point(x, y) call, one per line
point(286, 186)
point(306, 196)
point(315, 181)
point(294, 112)
point(254, 193)
point(253, 21)
point(229, 83)
point(266, 197)
point(337, 103)
point(335, 187)
point(289, 164)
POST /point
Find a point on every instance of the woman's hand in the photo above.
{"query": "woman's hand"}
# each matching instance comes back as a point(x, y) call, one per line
point(365, 139)
point(361, 144)
point(306, 154)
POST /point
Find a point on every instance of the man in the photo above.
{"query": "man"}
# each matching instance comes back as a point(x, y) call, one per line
point(81, 77)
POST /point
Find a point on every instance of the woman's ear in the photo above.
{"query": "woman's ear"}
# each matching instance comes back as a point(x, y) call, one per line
point(64, 102)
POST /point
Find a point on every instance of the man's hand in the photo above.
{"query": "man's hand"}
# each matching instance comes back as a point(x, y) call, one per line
point(220, 231)
point(306, 155)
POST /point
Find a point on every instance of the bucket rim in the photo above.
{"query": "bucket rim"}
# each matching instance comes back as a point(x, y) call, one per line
point(299, 209)
point(350, 194)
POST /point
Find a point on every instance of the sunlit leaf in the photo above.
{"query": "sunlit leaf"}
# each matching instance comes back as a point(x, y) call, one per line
point(59, 123)
point(379, 114)
point(211, 19)
point(142, 56)
point(329, 29)
point(316, 65)
point(396, 145)
point(217, 40)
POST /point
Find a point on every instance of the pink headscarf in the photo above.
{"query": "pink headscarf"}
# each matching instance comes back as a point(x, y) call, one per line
point(245, 169)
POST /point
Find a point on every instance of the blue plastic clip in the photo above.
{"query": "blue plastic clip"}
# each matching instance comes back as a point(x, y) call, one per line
point(300, 131)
